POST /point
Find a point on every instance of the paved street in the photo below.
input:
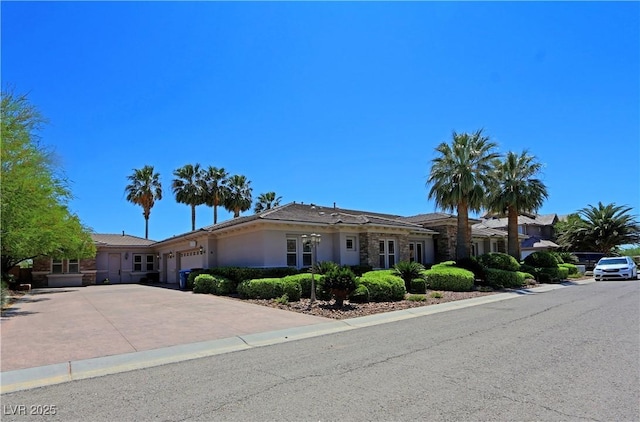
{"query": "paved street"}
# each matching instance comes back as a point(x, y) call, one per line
point(568, 355)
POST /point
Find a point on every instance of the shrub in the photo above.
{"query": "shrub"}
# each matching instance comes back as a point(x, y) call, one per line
point(304, 280)
point(436, 295)
point(563, 273)
point(261, 288)
point(571, 268)
point(499, 261)
point(340, 282)
point(408, 271)
point(383, 286)
point(548, 275)
point(418, 285)
point(502, 278)
point(291, 288)
point(527, 276)
point(416, 298)
point(449, 278)
point(324, 267)
point(541, 259)
point(283, 300)
point(567, 257)
point(359, 295)
point(4, 294)
point(358, 270)
point(444, 264)
point(204, 283)
point(472, 264)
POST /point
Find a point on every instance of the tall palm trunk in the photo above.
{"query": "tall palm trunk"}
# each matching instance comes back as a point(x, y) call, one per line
point(193, 217)
point(146, 227)
point(462, 237)
point(512, 232)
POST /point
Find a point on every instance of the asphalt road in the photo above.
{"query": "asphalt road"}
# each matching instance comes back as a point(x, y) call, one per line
point(567, 355)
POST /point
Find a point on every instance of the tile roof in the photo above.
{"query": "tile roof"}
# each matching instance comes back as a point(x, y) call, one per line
point(535, 220)
point(311, 213)
point(480, 230)
point(120, 240)
point(536, 242)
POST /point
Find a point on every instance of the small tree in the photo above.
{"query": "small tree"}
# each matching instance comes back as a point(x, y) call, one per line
point(340, 282)
point(408, 271)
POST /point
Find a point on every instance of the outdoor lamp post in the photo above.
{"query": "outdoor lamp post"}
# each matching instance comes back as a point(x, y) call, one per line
point(313, 240)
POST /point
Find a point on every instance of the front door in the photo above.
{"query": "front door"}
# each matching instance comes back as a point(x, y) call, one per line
point(114, 268)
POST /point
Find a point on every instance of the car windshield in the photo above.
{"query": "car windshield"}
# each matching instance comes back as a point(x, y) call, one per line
point(612, 261)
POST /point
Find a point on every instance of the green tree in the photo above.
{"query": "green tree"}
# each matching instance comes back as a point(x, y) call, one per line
point(459, 178)
point(600, 229)
point(239, 197)
point(214, 186)
point(35, 217)
point(187, 187)
point(516, 191)
point(266, 201)
point(144, 189)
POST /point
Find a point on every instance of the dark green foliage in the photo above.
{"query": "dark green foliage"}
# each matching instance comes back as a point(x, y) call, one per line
point(207, 283)
point(449, 278)
point(358, 270)
point(499, 261)
point(239, 274)
point(528, 269)
point(444, 264)
point(527, 275)
point(291, 288)
point(340, 282)
point(567, 257)
point(472, 264)
point(359, 295)
point(418, 285)
point(383, 286)
point(542, 259)
point(408, 271)
point(324, 267)
point(501, 278)
point(571, 268)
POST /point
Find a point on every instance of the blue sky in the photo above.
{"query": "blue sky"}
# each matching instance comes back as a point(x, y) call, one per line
point(326, 102)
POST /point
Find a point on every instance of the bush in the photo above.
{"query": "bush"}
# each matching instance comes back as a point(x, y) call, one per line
point(472, 264)
point(417, 298)
point(261, 288)
point(324, 267)
point(449, 278)
point(549, 275)
point(204, 283)
point(359, 295)
point(291, 288)
point(541, 259)
point(304, 280)
point(502, 278)
point(383, 286)
point(436, 295)
point(4, 294)
point(358, 270)
point(567, 257)
point(571, 268)
point(418, 285)
point(408, 271)
point(240, 274)
point(527, 276)
point(340, 282)
point(444, 264)
point(499, 261)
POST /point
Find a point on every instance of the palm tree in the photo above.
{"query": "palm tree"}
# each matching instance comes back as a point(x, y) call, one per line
point(459, 178)
point(144, 189)
point(601, 229)
point(266, 201)
point(516, 191)
point(239, 195)
point(214, 185)
point(187, 188)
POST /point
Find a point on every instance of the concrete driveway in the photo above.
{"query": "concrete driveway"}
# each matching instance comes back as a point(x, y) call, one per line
point(52, 326)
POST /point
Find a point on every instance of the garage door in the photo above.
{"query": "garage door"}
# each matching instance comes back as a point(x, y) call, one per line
point(190, 260)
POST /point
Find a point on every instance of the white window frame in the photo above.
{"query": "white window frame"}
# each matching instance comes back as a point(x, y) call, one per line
point(387, 257)
point(416, 252)
point(293, 253)
point(75, 262)
point(351, 239)
point(307, 255)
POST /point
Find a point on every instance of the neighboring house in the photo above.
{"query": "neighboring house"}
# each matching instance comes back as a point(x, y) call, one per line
point(536, 231)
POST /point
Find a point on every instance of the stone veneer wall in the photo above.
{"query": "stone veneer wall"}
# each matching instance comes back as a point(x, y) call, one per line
point(42, 267)
point(445, 242)
point(370, 248)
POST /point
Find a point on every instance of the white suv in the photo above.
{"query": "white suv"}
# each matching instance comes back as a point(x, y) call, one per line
point(616, 268)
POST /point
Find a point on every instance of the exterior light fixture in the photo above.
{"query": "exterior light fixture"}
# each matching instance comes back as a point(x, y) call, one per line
point(170, 254)
point(201, 250)
point(126, 255)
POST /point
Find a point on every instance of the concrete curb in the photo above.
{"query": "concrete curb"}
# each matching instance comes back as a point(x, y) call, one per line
point(25, 379)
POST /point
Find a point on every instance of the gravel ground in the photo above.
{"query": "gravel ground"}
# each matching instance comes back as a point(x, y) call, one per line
point(350, 310)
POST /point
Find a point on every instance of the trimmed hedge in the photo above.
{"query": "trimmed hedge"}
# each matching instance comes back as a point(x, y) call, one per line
point(472, 264)
point(270, 288)
point(541, 259)
point(418, 285)
point(359, 295)
point(503, 278)
point(499, 261)
point(304, 280)
point(445, 277)
point(383, 286)
point(571, 268)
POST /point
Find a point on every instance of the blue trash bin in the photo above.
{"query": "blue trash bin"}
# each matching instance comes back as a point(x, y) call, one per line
point(184, 276)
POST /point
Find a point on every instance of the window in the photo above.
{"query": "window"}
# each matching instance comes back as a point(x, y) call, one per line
point(56, 266)
point(64, 266)
point(143, 262)
point(387, 253)
point(306, 255)
point(292, 252)
point(494, 246)
point(74, 266)
point(351, 243)
point(415, 252)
